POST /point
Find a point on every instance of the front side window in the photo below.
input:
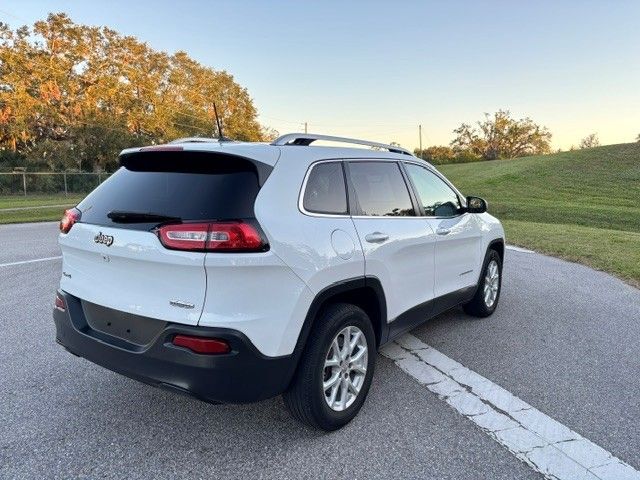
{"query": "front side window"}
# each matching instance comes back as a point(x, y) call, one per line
point(325, 191)
point(380, 189)
point(437, 198)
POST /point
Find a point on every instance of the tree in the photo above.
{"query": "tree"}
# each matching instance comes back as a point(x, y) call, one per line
point(590, 141)
point(72, 96)
point(501, 136)
point(441, 154)
point(268, 134)
point(638, 138)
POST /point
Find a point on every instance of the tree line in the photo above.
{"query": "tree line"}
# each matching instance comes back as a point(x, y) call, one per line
point(72, 96)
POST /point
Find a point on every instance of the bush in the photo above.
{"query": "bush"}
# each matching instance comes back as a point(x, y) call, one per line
point(10, 159)
point(442, 155)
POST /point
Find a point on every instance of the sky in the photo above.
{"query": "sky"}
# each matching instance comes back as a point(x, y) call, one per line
point(378, 69)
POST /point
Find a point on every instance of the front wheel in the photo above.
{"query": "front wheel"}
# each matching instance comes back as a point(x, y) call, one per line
point(335, 369)
point(487, 294)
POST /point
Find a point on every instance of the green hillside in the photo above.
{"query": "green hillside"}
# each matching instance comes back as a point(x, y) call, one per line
point(582, 205)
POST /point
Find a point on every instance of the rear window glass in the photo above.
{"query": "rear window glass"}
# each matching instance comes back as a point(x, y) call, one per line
point(325, 191)
point(188, 186)
point(380, 189)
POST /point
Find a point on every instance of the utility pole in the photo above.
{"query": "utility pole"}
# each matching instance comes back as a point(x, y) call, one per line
point(305, 127)
point(420, 135)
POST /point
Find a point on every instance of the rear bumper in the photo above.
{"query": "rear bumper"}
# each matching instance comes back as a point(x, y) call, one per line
point(243, 375)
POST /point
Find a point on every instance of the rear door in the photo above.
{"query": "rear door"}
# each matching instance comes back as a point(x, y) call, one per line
point(459, 237)
point(398, 245)
point(117, 260)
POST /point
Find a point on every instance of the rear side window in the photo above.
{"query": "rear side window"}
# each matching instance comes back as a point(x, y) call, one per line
point(191, 186)
point(380, 189)
point(325, 191)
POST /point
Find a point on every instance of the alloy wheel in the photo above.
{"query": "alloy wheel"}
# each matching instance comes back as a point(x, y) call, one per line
point(345, 368)
point(491, 283)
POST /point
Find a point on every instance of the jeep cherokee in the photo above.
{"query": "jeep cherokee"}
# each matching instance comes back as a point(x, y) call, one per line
point(234, 272)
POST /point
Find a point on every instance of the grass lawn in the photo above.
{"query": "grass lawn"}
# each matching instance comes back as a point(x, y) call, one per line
point(583, 205)
point(52, 212)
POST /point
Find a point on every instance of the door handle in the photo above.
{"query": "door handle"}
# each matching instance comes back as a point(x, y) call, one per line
point(376, 237)
point(443, 231)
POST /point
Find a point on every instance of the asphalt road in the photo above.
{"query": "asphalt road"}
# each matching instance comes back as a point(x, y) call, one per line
point(565, 339)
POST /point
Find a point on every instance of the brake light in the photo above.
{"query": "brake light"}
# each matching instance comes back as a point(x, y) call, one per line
point(59, 303)
point(212, 237)
point(161, 148)
point(69, 219)
point(234, 236)
point(210, 346)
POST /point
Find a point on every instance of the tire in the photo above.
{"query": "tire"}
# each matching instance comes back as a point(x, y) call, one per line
point(306, 398)
point(479, 306)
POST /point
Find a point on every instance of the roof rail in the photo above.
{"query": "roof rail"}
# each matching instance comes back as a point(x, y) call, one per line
point(305, 139)
point(200, 140)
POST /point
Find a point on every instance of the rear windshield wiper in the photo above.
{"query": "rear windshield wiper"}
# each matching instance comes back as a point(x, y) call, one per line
point(120, 216)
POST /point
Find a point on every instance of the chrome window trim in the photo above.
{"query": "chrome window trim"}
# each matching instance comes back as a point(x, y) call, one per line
point(304, 187)
point(426, 165)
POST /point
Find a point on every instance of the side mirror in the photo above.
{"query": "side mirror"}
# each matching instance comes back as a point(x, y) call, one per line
point(476, 205)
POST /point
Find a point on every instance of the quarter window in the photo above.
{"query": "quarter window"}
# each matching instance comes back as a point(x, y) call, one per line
point(380, 189)
point(325, 191)
point(437, 198)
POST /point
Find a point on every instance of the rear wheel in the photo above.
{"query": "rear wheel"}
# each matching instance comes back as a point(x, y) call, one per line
point(335, 370)
point(487, 294)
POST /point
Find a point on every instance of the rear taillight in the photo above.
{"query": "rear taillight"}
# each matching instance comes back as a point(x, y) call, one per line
point(234, 236)
point(185, 236)
point(59, 303)
point(212, 237)
point(70, 217)
point(210, 346)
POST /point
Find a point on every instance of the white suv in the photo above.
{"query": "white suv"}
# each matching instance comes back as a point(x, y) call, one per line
point(235, 272)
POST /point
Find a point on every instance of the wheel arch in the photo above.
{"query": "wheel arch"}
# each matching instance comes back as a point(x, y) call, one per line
point(364, 292)
point(498, 246)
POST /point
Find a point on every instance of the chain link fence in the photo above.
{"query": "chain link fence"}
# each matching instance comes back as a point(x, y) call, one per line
point(36, 183)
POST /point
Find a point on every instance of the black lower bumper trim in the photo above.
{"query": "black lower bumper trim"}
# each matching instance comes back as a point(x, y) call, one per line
point(243, 375)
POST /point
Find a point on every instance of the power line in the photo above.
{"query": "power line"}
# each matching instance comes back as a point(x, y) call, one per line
point(346, 125)
point(14, 16)
point(281, 120)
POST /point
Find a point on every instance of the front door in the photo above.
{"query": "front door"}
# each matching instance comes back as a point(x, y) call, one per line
point(458, 252)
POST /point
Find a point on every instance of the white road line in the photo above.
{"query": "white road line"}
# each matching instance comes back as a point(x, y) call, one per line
point(24, 262)
point(546, 445)
point(519, 249)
